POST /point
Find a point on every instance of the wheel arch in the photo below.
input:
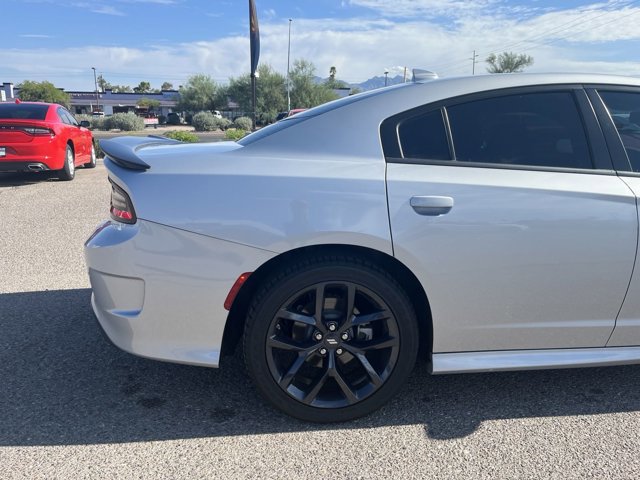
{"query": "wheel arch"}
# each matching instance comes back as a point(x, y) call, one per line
point(236, 318)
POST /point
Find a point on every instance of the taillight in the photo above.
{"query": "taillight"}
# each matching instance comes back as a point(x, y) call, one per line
point(121, 206)
point(38, 131)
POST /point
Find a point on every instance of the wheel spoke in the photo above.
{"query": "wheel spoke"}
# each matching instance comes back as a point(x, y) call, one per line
point(373, 375)
point(378, 344)
point(319, 303)
point(351, 300)
point(370, 317)
point(313, 393)
point(346, 389)
point(296, 317)
point(284, 344)
point(286, 379)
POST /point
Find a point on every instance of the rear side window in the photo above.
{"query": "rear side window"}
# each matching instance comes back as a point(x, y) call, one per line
point(624, 108)
point(424, 136)
point(534, 129)
point(21, 111)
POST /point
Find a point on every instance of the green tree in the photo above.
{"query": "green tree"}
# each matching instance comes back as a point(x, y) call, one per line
point(121, 89)
point(199, 94)
point(167, 86)
point(149, 103)
point(332, 82)
point(508, 62)
point(143, 87)
point(31, 91)
point(103, 84)
point(305, 92)
point(271, 93)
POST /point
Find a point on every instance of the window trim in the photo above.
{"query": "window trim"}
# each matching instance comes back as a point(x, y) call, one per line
point(600, 155)
point(612, 137)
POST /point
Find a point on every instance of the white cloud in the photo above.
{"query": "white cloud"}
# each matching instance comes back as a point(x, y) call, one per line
point(580, 39)
point(34, 35)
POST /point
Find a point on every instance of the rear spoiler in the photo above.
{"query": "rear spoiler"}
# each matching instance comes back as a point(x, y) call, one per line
point(122, 150)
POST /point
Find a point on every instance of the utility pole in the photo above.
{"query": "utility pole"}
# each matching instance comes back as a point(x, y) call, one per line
point(386, 75)
point(404, 79)
point(288, 62)
point(473, 59)
point(95, 81)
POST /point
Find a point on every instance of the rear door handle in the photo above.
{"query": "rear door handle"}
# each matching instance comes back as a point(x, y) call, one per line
point(431, 205)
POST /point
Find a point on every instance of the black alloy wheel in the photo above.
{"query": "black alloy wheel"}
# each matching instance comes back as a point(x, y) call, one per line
point(330, 341)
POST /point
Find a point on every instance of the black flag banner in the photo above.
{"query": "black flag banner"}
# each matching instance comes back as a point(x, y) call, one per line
point(254, 36)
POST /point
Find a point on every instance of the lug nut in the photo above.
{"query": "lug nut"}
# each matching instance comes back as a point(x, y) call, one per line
point(317, 336)
point(339, 351)
point(323, 351)
point(344, 336)
point(332, 326)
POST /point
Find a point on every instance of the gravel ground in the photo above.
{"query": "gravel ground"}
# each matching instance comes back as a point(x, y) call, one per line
point(74, 406)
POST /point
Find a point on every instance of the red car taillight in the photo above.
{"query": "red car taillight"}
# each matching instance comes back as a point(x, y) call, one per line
point(39, 131)
point(121, 206)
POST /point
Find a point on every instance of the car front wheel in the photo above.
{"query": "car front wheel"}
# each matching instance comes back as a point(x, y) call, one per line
point(330, 339)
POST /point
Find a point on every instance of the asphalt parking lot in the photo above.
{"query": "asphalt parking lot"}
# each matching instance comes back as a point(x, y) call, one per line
point(74, 406)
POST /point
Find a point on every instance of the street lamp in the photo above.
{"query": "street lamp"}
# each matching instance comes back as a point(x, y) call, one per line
point(386, 76)
point(288, 81)
point(95, 80)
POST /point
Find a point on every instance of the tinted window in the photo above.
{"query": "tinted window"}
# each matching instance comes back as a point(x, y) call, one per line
point(624, 108)
point(64, 118)
point(22, 111)
point(537, 129)
point(424, 136)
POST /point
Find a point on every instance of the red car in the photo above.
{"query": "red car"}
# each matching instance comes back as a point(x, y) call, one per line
point(37, 137)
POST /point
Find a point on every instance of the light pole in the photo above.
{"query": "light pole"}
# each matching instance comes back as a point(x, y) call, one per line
point(473, 59)
point(95, 80)
point(386, 76)
point(288, 61)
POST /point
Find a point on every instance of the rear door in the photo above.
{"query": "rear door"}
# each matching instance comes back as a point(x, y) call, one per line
point(619, 113)
point(507, 208)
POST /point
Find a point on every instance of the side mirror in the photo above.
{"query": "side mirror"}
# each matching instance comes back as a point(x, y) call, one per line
point(85, 123)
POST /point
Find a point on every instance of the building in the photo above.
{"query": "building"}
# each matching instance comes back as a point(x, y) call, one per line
point(7, 92)
point(107, 101)
point(110, 102)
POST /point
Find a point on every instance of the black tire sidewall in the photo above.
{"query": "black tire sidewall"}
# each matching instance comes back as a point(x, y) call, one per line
point(274, 295)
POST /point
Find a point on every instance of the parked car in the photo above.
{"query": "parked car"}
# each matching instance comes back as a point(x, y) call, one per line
point(174, 118)
point(37, 137)
point(489, 223)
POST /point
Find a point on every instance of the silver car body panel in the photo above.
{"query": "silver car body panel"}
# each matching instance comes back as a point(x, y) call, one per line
point(469, 362)
point(210, 212)
point(627, 331)
point(524, 259)
point(159, 292)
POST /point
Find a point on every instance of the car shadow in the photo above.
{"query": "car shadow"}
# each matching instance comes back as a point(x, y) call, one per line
point(64, 383)
point(20, 179)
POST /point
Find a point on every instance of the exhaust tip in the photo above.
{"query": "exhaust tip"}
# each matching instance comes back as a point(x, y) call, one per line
point(36, 167)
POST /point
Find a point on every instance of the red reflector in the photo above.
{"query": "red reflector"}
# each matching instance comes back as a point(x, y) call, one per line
point(121, 214)
point(235, 289)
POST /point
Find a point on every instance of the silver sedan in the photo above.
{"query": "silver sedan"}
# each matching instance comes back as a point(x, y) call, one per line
point(486, 223)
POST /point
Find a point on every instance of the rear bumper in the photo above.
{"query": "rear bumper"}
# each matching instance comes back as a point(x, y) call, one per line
point(158, 292)
point(24, 166)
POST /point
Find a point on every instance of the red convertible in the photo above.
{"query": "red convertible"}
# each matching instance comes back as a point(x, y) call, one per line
point(37, 137)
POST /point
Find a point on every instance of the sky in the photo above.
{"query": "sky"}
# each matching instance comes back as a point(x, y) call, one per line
point(129, 41)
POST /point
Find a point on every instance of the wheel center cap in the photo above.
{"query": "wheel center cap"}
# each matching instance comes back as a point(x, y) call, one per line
point(332, 340)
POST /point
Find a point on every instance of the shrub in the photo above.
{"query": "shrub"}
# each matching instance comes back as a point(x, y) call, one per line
point(243, 123)
point(204, 122)
point(127, 122)
point(224, 123)
point(96, 146)
point(187, 137)
point(235, 134)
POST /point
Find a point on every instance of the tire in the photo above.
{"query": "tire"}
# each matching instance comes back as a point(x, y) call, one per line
point(343, 367)
point(68, 171)
point(92, 162)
